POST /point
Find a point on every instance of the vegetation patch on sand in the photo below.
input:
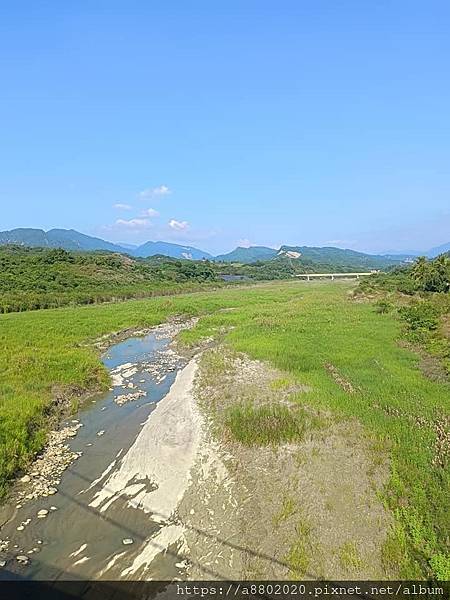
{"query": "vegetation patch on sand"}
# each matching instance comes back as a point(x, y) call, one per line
point(263, 425)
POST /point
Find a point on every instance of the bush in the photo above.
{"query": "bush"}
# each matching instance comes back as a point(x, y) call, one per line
point(383, 306)
point(420, 315)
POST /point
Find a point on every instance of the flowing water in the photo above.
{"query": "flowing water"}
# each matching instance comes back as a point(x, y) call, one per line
point(79, 538)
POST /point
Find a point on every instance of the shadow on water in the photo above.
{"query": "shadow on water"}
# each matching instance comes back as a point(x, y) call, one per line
point(141, 537)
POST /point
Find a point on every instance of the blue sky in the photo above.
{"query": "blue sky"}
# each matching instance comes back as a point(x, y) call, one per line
point(307, 122)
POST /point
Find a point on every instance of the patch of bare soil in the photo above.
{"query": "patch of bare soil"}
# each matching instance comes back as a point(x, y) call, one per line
point(346, 385)
point(431, 366)
point(303, 510)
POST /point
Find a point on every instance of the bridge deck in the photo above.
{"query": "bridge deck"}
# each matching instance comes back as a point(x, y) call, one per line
point(333, 275)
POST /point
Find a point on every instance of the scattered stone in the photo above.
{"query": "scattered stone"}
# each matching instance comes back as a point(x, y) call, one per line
point(182, 565)
point(25, 479)
point(20, 528)
point(100, 433)
point(42, 513)
point(49, 466)
point(22, 558)
point(2, 563)
point(53, 508)
point(127, 541)
point(39, 542)
point(124, 398)
point(18, 506)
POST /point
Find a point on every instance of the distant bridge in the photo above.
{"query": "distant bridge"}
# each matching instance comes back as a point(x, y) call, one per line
point(332, 276)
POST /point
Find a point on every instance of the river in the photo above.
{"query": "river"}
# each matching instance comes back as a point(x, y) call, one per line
point(113, 513)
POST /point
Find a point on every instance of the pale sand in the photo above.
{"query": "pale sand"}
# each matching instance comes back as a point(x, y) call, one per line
point(163, 539)
point(155, 472)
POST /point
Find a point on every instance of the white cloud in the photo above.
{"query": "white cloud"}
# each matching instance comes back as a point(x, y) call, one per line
point(245, 243)
point(150, 212)
point(178, 225)
point(123, 206)
point(133, 223)
point(161, 190)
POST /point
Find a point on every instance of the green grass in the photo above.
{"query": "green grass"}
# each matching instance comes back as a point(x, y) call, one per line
point(349, 557)
point(298, 327)
point(299, 556)
point(264, 425)
point(287, 509)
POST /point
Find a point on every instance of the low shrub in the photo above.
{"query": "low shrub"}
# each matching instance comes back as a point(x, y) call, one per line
point(420, 315)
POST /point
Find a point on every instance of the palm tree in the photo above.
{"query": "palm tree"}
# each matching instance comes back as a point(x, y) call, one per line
point(420, 271)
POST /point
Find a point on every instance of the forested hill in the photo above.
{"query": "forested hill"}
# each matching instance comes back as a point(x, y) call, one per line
point(33, 278)
point(337, 257)
point(334, 258)
point(247, 255)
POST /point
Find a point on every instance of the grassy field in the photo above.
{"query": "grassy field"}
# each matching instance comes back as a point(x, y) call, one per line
point(344, 350)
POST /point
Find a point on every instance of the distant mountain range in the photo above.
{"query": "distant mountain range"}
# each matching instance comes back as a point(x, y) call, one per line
point(310, 255)
point(325, 254)
point(70, 239)
point(438, 250)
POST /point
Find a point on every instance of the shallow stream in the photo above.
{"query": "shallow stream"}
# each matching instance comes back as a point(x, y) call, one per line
point(84, 535)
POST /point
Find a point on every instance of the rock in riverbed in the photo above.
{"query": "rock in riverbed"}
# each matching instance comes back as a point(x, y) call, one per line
point(124, 398)
point(49, 466)
point(127, 541)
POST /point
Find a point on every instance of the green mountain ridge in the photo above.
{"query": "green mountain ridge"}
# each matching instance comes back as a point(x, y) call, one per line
point(327, 257)
point(247, 255)
point(322, 257)
point(69, 239)
point(338, 257)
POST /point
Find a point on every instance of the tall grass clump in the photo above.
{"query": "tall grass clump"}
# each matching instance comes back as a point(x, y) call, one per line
point(264, 425)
